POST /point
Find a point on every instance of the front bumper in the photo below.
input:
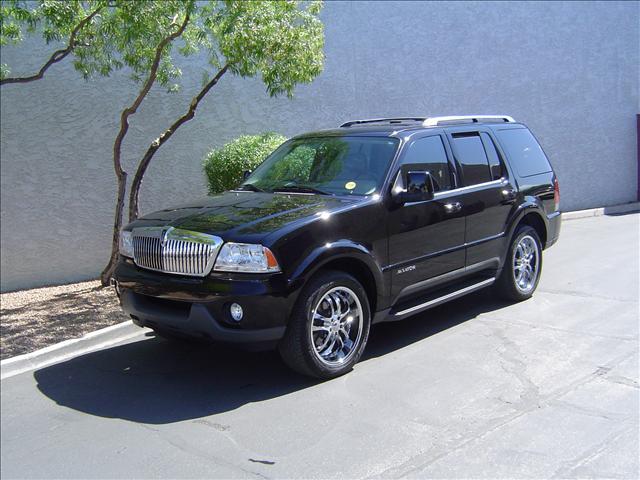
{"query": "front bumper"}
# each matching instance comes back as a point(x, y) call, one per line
point(199, 307)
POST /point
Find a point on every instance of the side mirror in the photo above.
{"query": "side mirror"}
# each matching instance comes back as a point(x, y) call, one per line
point(420, 186)
point(246, 174)
point(420, 182)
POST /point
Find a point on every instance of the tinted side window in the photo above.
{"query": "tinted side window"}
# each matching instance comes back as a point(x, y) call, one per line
point(428, 154)
point(471, 155)
point(492, 154)
point(523, 152)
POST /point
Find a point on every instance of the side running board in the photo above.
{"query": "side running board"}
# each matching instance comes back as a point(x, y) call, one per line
point(442, 299)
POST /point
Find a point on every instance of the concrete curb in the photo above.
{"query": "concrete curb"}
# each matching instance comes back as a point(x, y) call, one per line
point(67, 349)
point(597, 212)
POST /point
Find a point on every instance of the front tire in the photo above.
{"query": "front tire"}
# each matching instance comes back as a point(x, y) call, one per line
point(522, 267)
point(329, 326)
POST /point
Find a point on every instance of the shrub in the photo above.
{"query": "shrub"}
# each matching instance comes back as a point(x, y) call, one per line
point(224, 166)
point(295, 166)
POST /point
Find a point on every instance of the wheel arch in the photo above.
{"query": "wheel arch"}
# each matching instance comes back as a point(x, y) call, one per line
point(533, 216)
point(348, 257)
point(535, 221)
point(528, 214)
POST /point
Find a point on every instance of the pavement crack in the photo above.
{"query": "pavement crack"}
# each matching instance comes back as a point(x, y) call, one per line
point(511, 362)
point(533, 402)
point(592, 412)
point(192, 450)
point(567, 469)
point(494, 318)
point(573, 293)
point(264, 462)
point(620, 380)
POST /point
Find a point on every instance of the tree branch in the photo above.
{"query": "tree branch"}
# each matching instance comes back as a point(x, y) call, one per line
point(153, 73)
point(58, 55)
point(121, 175)
point(166, 135)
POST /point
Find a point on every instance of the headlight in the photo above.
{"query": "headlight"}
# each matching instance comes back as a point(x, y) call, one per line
point(244, 257)
point(126, 243)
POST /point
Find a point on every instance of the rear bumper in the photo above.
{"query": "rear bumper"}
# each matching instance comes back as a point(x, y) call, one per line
point(199, 307)
point(554, 221)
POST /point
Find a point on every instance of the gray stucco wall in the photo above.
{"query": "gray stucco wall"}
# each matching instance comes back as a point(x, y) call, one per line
point(568, 70)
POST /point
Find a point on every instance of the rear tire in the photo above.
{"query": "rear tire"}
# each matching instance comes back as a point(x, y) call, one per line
point(329, 326)
point(522, 267)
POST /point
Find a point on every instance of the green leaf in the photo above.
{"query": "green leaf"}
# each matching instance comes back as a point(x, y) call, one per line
point(280, 41)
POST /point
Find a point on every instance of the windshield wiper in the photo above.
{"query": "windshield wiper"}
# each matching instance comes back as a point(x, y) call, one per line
point(251, 187)
point(300, 189)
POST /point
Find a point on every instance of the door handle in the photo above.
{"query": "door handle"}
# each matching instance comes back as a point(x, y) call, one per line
point(452, 207)
point(508, 194)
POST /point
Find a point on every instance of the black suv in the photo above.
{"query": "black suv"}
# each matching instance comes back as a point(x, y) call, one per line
point(339, 229)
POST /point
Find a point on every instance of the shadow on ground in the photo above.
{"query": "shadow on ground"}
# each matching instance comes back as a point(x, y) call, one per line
point(157, 381)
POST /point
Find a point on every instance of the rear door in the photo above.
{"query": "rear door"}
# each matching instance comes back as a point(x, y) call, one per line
point(487, 194)
point(426, 239)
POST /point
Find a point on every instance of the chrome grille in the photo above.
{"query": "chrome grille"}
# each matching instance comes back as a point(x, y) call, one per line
point(172, 250)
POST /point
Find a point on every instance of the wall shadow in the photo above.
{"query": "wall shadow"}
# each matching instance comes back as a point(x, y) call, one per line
point(156, 381)
point(621, 210)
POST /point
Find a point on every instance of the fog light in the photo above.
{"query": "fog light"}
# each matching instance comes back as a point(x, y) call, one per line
point(236, 312)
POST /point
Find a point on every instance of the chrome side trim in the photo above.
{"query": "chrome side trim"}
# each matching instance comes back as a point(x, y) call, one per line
point(484, 240)
point(466, 189)
point(455, 191)
point(435, 121)
point(492, 263)
point(444, 298)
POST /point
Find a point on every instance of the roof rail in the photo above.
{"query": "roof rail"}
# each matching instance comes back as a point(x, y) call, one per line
point(390, 120)
point(435, 121)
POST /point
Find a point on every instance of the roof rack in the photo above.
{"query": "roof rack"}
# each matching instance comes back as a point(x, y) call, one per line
point(391, 120)
point(435, 121)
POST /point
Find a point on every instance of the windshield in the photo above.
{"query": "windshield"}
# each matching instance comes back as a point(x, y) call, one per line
point(326, 165)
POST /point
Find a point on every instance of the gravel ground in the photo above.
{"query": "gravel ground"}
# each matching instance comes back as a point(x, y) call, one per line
point(33, 319)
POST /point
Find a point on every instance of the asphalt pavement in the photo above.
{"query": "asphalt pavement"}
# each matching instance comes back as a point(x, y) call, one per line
point(547, 388)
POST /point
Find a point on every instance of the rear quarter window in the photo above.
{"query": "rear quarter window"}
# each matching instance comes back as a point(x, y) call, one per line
point(523, 151)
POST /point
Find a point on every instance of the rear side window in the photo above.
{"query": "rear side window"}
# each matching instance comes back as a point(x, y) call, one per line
point(428, 154)
point(471, 155)
point(492, 154)
point(523, 152)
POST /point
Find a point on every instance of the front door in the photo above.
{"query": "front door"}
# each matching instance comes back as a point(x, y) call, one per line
point(426, 239)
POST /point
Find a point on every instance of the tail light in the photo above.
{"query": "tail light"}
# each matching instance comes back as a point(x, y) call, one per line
point(556, 194)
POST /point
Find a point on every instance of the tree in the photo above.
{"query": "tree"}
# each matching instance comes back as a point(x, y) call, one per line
point(280, 40)
point(74, 21)
point(173, 19)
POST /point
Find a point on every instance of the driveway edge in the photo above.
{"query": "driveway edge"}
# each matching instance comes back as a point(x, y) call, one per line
point(598, 212)
point(90, 342)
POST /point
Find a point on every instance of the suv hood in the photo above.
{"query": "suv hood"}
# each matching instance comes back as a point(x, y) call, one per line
point(235, 214)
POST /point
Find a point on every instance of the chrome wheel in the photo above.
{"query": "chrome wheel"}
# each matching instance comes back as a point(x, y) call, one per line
point(336, 326)
point(525, 264)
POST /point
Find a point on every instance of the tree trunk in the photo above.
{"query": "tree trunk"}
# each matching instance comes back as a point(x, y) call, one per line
point(56, 56)
point(164, 137)
point(106, 274)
